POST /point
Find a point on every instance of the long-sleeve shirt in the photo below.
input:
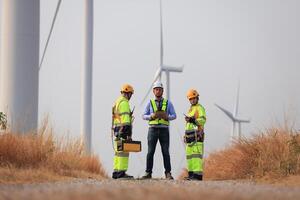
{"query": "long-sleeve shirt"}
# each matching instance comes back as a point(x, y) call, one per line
point(170, 111)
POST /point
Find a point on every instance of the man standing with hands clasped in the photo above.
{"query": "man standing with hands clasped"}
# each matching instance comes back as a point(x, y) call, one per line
point(158, 112)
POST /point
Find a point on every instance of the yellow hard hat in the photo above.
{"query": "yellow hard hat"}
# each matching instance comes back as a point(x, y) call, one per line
point(127, 88)
point(192, 94)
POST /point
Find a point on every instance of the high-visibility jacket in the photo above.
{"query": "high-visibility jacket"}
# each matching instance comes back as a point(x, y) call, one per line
point(121, 117)
point(198, 112)
point(163, 108)
point(194, 150)
point(121, 112)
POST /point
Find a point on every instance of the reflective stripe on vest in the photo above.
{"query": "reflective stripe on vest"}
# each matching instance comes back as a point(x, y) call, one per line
point(121, 154)
point(194, 156)
point(163, 108)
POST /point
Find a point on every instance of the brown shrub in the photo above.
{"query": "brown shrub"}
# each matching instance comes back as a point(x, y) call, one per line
point(41, 151)
point(25, 150)
point(275, 152)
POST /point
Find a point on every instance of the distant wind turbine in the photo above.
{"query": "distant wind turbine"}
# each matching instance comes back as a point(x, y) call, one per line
point(86, 71)
point(87, 76)
point(235, 120)
point(162, 67)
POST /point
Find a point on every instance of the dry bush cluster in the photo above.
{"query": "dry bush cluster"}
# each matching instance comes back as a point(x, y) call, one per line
point(274, 153)
point(40, 151)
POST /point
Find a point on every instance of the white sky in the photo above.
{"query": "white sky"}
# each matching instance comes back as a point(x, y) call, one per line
point(219, 42)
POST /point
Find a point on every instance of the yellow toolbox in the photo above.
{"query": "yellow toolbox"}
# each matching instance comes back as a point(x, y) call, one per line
point(129, 146)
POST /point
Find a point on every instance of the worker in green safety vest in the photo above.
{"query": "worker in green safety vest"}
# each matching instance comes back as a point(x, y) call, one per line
point(122, 128)
point(158, 112)
point(194, 136)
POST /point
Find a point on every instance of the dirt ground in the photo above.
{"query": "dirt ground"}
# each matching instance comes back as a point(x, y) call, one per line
point(147, 190)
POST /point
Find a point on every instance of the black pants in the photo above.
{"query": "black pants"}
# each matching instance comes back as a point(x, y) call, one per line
point(161, 134)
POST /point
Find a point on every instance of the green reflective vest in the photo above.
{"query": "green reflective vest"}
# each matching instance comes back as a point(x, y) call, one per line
point(163, 108)
point(122, 112)
point(198, 112)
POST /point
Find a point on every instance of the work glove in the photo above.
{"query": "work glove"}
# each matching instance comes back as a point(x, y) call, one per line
point(200, 135)
point(190, 119)
point(186, 118)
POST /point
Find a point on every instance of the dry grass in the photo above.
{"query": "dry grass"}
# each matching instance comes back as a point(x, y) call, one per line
point(274, 153)
point(39, 157)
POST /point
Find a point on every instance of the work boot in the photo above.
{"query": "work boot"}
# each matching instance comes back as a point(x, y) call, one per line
point(169, 176)
point(190, 176)
point(147, 175)
point(197, 177)
point(126, 176)
point(116, 175)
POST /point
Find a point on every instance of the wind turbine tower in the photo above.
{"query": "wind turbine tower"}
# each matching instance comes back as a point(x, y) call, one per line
point(236, 122)
point(19, 75)
point(86, 78)
point(162, 67)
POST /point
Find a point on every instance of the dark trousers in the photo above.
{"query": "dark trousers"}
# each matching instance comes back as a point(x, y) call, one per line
point(161, 134)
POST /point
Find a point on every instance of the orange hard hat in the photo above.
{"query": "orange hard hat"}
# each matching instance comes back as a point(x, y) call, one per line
point(127, 88)
point(192, 93)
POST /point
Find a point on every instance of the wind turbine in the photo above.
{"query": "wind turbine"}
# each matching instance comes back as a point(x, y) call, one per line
point(86, 71)
point(235, 120)
point(162, 67)
point(87, 77)
point(19, 74)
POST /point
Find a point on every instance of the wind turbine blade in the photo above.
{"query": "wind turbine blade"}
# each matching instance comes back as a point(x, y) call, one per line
point(161, 37)
point(156, 77)
point(236, 107)
point(229, 114)
point(50, 33)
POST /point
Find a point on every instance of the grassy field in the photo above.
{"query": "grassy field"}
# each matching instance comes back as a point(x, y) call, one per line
point(272, 155)
point(39, 157)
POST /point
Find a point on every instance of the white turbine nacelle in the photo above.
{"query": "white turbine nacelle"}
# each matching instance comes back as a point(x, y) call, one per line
point(172, 69)
point(235, 120)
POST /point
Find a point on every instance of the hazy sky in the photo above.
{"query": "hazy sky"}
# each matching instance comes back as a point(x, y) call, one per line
point(219, 42)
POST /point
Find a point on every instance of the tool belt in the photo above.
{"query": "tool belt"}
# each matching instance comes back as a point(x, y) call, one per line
point(195, 136)
point(123, 132)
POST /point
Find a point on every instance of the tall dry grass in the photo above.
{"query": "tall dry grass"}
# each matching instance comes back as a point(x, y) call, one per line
point(41, 151)
point(274, 153)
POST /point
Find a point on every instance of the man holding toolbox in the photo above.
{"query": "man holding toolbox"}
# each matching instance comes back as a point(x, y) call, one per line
point(122, 129)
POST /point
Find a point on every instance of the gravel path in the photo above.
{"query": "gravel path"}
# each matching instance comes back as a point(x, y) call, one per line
point(149, 189)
